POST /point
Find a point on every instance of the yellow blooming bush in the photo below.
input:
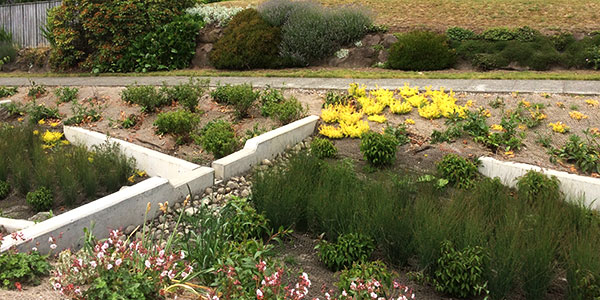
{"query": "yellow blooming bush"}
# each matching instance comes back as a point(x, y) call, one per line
point(400, 107)
point(430, 111)
point(537, 115)
point(409, 122)
point(417, 100)
point(592, 102)
point(357, 91)
point(370, 106)
point(559, 127)
point(575, 115)
point(354, 130)
point(407, 92)
point(51, 138)
point(377, 118)
point(331, 132)
point(496, 127)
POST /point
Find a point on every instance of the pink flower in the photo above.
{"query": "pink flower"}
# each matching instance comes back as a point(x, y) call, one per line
point(109, 266)
point(147, 263)
point(118, 262)
point(259, 294)
point(93, 264)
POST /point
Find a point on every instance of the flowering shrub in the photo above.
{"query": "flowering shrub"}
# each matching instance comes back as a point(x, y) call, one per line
point(559, 127)
point(214, 14)
point(575, 115)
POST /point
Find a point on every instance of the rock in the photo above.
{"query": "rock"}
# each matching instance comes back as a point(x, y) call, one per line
point(41, 216)
point(370, 40)
point(232, 185)
point(162, 226)
point(206, 201)
point(208, 191)
point(129, 229)
point(221, 191)
point(177, 205)
point(388, 40)
point(236, 179)
point(357, 58)
point(383, 56)
point(266, 162)
point(245, 193)
point(227, 190)
point(162, 219)
point(197, 197)
point(138, 235)
point(210, 34)
point(196, 203)
point(157, 233)
point(202, 56)
point(297, 148)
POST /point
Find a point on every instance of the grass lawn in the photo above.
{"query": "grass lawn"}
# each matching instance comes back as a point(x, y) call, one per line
point(544, 15)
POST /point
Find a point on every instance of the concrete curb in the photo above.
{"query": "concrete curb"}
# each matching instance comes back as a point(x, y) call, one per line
point(264, 146)
point(5, 102)
point(575, 187)
point(12, 225)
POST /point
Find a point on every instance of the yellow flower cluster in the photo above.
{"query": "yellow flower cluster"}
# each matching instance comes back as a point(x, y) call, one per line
point(400, 107)
point(575, 115)
point(537, 115)
point(51, 138)
point(377, 118)
point(357, 91)
point(409, 122)
point(559, 127)
point(497, 127)
point(349, 119)
point(442, 104)
point(592, 102)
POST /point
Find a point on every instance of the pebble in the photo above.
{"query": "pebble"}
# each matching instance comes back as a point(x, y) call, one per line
point(208, 191)
point(266, 162)
point(221, 191)
point(245, 193)
point(162, 219)
point(232, 185)
point(191, 211)
point(129, 229)
point(206, 201)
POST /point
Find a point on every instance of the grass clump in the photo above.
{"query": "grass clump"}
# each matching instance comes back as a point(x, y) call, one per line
point(4, 189)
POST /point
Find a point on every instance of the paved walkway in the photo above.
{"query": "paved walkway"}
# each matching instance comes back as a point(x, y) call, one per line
point(459, 85)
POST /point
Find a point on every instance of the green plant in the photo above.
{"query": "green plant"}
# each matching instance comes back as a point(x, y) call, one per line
point(249, 42)
point(147, 97)
point(421, 51)
point(574, 107)
point(187, 94)
point(534, 187)
point(376, 270)
point(269, 99)
point(65, 94)
point(14, 108)
point(218, 138)
point(7, 91)
point(36, 90)
point(489, 61)
point(562, 40)
point(90, 112)
point(215, 15)
point(498, 34)
point(460, 34)
point(378, 149)
point(241, 97)
point(288, 110)
point(460, 273)
point(22, 268)
point(526, 34)
point(348, 249)
point(399, 132)
point(40, 199)
point(37, 112)
point(544, 140)
point(4, 189)
point(332, 98)
point(179, 122)
point(322, 148)
point(8, 52)
point(457, 170)
point(243, 221)
point(583, 153)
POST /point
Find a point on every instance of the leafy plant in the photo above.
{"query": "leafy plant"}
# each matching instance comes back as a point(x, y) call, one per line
point(40, 199)
point(37, 112)
point(534, 187)
point(241, 97)
point(66, 94)
point(188, 94)
point(333, 98)
point(22, 268)
point(214, 15)
point(7, 91)
point(36, 90)
point(90, 112)
point(218, 138)
point(269, 99)
point(399, 132)
point(180, 122)
point(583, 153)
point(460, 34)
point(376, 270)
point(421, 51)
point(457, 170)
point(498, 34)
point(348, 249)
point(322, 148)
point(289, 110)
point(4, 189)
point(460, 273)
point(378, 149)
point(147, 97)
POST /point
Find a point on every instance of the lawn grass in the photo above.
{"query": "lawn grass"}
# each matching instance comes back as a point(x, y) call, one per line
point(544, 15)
point(366, 73)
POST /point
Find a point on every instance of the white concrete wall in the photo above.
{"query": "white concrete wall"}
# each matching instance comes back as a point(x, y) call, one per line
point(264, 146)
point(575, 187)
point(4, 102)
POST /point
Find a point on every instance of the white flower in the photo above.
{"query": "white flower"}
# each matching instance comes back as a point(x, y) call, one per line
point(147, 263)
point(373, 295)
point(50, 240)
point(184, 274)
point(100, 255)
point(93, 264)
point(104, 246)
point(182, 255)
point(52, 246)
point(118, 262)
point(57, 286)
point(109, 266)
point(34, 249)
point(259, 293)
point(163, 274)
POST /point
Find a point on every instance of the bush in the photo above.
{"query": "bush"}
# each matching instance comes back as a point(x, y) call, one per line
point(562, 40)
point(488, 61)
point(187, 94)
point(269, 99)
point(249, 42)
point(534, 187)
point(584, 154)
point(7, 91)
point(180, 122)
point(348, 249)
point(8, 53)
point(498, 34)
point(22, 268)
point(4, 189)
point(169, 46)
point(37, 112)
point(146, 96)
point(241, 97)
point(215, 15)
point(376, 270)
point(526, 34)
point(66, 94)
point(460, 273)
point(289, 110)
point(218, 138)
point(322, 148)
point(40, 199)
point(457, 170)
point(378, 149)
point(421, 51)
point(460, 34)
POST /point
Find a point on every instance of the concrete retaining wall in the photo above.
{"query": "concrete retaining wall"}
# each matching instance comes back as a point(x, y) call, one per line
point(575, 187)
point(4, 102)
point(264, 146)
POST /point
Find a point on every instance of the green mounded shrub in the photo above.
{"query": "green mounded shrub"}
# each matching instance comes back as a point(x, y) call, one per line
point(578, 53)
point(22, 268)
point(498, 34)
point(421, 51)
point(40, 199)
point(249, 42)
point(460, 273)
point(348, 249)
point(179, 122)
point(489, 61)
point(7, 91)
point(562, 40)
point(147, 97)
point(8, 52)
point(323, 148)
point(376, 270)
point(378, 149)
point(4, 189)
point(457, 170)
point(241, 97)
point(269, 99)
point(526, 34)
point(535, 186)
point(66, 94)
point(218, 138)
point(187, 94)
point(460, 34)
point(288, 111)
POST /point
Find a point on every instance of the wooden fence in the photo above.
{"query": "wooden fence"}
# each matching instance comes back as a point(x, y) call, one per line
point(25, 20)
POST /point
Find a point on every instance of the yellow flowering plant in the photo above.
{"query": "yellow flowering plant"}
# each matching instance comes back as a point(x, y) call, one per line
point(398, 107)
point(409, 122)
point(377, 118)
point(357, 91)
point(559, 127)
point(592, 102)
point(575, 115)
point(331, 132)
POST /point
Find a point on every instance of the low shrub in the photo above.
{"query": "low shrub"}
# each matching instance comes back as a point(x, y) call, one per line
point(36, 90)
point(375, 270)
point(269, 99)
point(348, 249)
point(378, 149)
point(583, 153)
point(498, 34)
point(40, 199)
point(8, 53)
point(460, 34)
point(218, 138)
point(4, 189)
point(249, 42)
point(37, 112)
point(179, 123)
point(22, 268)
point(243, 221)
point(65, 94)
point(146, 96)
point(187, 94)
point(322, 148)
point(288, 111)
point(489, 61)
point(562, 40)
point(457, 170)
point(535, 187)
point(7, 91)
point(241, 97)
point(460, 273)
point(421, 51)
point(214, 15)
point(399, 132)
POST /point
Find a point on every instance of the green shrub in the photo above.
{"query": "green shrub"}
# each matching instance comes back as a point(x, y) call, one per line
point(187, 94)
point(584, 154)
point(534, 187)
point(289, 110)
point(332, 98)
point(40, 199)
point(180, 122)
point(169, 46)
point(460, 34)
point(399, 132)
point(375, 270)
point(22, 268)
point(498, 34)
point(37, 112)
point(4, 189)
point(348, 249)
point(488, 61)
point(457, 170)
point(241, 97)
point(66, 94)
point(249, 42)
point(378, 149)
point(91, 112)
point(269, 99)
point(470, 48)
point(460, 273)
point(36, 90)
point(243, 221)
point(322, 148)
point(7, 91)
point(146, 96)
point(8, 53)
point(218, 138)
point(421, 51)
point(526, 34)
point(562, 40)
